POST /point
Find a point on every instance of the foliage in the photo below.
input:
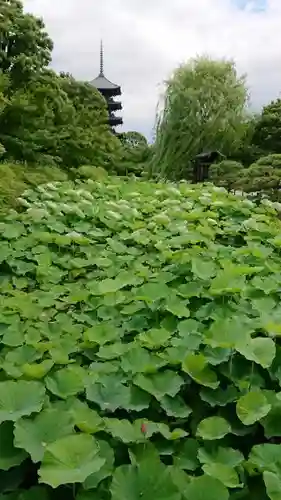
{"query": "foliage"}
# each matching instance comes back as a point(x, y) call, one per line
point(46, 118)
point(273, 160)
point(57, 120)
point(16, 178)
point(267, 135)
point(140, 352)
point(25, 46)
point(204, 109)
point(226, 173)
point(263, 178)
point(27, 123)
point(90, 172)
point(133, 140)
point(90, 138)
point(4, 83)
point(136, 154)
point(2, 150)
point(248, 152)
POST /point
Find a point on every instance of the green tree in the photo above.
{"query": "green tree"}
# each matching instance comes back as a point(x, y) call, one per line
point(267, 134)
point(57, 120)
point(204, 109)
point(90, 140)
point(248, 152)
point(47, 118)
point(3, 103)
point(3, 86)
point(135, 154)
point(133, 140)
point(35, 119)
point(25, 47)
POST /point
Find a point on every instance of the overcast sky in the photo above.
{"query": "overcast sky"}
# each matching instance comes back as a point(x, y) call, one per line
point(145, 40)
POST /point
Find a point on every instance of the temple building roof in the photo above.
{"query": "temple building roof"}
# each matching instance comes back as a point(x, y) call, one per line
point(101, 82)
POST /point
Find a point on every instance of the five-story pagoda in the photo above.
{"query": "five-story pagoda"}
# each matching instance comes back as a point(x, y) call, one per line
point(109, 90)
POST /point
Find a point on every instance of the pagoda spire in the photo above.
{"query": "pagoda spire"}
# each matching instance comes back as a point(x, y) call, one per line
point(109, 90)
point(101, 59)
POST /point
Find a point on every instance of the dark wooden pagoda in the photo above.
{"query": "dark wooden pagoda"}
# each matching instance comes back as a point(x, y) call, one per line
point(109, 91)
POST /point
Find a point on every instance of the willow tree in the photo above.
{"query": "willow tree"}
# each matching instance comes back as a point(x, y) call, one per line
point(204, 107)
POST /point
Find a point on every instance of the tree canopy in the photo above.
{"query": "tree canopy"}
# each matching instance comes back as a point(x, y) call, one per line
point(267, 134)
point(46, 118)
point(136, 153)
point(204, 108)
point(25, 45)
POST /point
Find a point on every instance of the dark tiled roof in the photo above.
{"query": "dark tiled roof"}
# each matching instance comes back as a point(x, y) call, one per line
point(102, 83)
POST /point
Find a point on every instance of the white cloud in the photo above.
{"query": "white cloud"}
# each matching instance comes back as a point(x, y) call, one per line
point(146, 39)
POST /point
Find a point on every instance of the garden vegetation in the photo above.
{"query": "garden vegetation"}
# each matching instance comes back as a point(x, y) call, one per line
point(139, 343)
point(140, 316)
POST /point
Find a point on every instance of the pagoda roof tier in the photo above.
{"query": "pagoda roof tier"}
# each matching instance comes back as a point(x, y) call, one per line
point(102, 83)
point(114, 121)
point(114, 106)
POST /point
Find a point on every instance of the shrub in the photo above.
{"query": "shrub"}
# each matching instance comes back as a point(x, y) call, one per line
point(261, 180)
point(140, 347)
point(226, 173)
point(16, 178)
point(90, 172)
point(270, 160)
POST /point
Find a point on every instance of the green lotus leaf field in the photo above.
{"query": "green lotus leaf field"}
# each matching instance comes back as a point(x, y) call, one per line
point(140, 354)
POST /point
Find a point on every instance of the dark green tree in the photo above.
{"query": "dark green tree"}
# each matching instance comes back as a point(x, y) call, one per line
point(3, 103)
point(267, 134)
point(90, 139)
point(25, 47)
point(135, 155)
point(248, 152)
